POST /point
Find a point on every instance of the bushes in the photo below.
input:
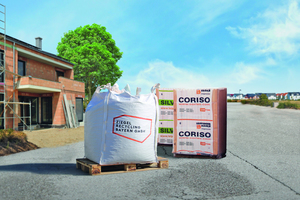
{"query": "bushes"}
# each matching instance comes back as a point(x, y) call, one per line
point(233, 100)
point(9, 135)
point(245, 101)
point(288, 105)
point(262, 101)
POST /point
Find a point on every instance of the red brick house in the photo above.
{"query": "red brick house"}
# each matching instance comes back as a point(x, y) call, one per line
point(41, 78)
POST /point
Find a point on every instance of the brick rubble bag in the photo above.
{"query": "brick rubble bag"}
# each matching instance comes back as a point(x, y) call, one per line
point(121, 128)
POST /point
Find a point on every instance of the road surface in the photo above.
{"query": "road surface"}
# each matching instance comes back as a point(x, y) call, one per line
point(263, 159)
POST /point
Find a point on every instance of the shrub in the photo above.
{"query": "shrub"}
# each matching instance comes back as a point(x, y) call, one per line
point(85, 104)
point(243, 101)
point(288, 105)
point(9, 135)
point(232, 100)
point(261, 102)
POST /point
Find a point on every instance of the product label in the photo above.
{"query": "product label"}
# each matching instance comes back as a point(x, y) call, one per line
point(166, 102)
point(165, 130)
point(194, 104)
point(194, 133)
point(166, 116)
point(134, 128)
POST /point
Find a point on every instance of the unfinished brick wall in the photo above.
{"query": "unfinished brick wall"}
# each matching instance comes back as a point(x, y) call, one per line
point(42, 75)
point(71, 85)
point(40, 70)
point(69, 74)
point(40, 82)
point(72, 89)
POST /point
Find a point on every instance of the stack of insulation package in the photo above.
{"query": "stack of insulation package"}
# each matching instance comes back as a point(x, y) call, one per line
point(194, 121)
point(121, 128)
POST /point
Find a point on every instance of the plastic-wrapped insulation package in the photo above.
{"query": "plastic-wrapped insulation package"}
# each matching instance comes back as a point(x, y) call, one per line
point(120, 127)
point(200, 122)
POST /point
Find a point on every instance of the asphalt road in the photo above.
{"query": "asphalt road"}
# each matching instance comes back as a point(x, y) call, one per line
point(263, 159)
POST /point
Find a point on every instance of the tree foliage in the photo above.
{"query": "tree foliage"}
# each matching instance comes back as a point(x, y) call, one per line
point(95, 55)
point(263, 97)
point(264, 101)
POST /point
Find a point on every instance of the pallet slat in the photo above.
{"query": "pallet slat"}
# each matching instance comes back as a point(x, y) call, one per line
point(93, 168)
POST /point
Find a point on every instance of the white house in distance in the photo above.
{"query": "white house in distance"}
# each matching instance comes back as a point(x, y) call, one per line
point(237, 96)
point(229, 96)
point(282, 96)
point(271, 96)
point(293, 95)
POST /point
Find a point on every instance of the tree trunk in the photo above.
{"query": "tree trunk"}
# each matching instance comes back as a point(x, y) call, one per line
point(89, 90)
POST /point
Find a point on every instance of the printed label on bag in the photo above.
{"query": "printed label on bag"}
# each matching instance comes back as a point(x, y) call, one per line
point(134, 128)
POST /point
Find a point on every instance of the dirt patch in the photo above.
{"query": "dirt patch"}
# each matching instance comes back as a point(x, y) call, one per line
point(55, 137)
point(7, 148)
point(43, 138)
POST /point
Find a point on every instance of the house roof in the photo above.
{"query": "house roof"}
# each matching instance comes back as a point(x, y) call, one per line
point(29, 46)
point(283, 94)
point(295, 93)
point(250, 95)
point(268, 94)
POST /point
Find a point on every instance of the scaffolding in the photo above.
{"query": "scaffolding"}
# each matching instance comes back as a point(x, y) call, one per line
point(6, 103)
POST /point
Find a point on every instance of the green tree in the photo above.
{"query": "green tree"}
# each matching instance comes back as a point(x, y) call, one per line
point(263, 99)
point(95, 55)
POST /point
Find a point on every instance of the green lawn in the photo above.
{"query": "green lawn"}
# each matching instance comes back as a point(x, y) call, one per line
point(293, 102)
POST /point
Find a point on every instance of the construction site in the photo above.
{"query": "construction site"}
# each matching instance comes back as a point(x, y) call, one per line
point(37, 88)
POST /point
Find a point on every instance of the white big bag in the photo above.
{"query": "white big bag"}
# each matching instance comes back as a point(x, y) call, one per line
point(121, 128)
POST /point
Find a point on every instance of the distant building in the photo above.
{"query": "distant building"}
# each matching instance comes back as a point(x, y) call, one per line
point(293, 95)
point(281, 96)
point(230, 96)
point(271, 96)
point(251, 96)
point(237, 96)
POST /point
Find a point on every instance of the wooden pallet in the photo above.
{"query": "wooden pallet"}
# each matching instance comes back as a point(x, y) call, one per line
point(93, 168)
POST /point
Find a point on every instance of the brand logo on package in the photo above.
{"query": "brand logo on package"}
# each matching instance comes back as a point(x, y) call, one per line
point(134, 128)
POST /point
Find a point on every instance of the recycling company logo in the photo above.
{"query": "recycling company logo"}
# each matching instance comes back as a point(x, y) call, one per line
point(137, 129)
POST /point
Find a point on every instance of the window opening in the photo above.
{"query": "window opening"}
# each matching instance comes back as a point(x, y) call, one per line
point(21, 68)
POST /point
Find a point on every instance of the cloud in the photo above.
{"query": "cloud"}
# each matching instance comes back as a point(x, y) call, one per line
point(245, 73)
point(204, 15)
point(274, 31)
point(168, 75)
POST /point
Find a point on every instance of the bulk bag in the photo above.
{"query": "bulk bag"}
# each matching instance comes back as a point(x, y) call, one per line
point(121, 128)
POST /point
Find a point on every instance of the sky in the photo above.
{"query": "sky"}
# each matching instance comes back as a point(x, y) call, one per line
point(252, 46)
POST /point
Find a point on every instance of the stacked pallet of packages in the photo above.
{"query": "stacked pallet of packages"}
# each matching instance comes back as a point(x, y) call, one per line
point(199, 122)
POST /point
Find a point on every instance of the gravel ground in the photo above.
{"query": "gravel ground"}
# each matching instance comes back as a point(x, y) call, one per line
point(55, 137)
point(263, 158)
